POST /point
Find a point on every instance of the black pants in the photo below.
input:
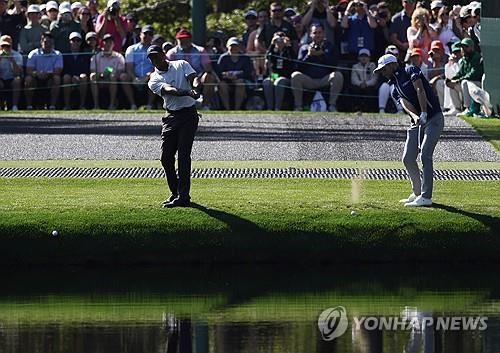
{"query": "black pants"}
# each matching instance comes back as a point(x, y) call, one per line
point(178, 131)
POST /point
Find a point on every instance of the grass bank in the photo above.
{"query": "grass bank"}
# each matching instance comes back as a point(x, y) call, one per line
point(244, 221)
point(488, 128)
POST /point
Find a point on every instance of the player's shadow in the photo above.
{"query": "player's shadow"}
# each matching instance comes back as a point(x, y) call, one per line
point(490, 221)
point(235, 223)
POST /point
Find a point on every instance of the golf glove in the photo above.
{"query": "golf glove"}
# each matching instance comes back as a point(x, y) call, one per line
point(423, 118)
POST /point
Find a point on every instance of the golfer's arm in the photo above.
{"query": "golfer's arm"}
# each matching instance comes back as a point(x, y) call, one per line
point(168, 90)
point(194, 81)
point(410, 109)
point(422, 97)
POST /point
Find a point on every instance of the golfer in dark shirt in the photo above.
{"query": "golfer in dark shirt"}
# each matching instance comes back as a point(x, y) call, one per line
point(177, 83)
point(415, 94)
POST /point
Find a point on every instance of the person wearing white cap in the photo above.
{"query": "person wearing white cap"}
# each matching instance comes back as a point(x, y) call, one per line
point(113, 23)
point(75, 7)
point(29, 37)
point(76, 71)
point(384, 91)
point(416, 96)
point(11, 69)
point(363, 82)
point(63, 27)
point(52, 10)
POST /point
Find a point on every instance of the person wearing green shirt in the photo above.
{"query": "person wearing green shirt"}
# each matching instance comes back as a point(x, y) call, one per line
point(469, 75)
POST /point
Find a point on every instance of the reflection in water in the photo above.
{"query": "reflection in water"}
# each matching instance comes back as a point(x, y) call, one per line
point(239, 310)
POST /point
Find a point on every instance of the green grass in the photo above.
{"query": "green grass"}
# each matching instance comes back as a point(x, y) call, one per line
point(237, 164)
point(120, 221)
point(488, 128)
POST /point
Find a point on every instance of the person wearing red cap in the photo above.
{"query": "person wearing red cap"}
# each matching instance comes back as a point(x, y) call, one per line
point(199, 60)
point(436, 63)
point(417, 61)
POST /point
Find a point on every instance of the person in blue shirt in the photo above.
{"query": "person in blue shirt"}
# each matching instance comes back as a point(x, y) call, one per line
point(43, 69)
point(139, 67)
point(360, 28)
point(76, 71)
point(416, 96)
point(316, 69)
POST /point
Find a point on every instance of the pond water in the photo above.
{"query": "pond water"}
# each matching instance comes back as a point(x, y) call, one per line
point(257, 309)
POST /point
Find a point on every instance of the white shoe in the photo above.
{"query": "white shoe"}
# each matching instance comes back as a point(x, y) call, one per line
point(419, 202)
point(410, 198)
point(464, 113)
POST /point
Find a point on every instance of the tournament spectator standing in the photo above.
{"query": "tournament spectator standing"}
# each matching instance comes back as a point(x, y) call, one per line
point(92, 5)
point(280, 63)
point(420, 34)
point(85, 21)
point(319, 12)
point(253, 48)
point(29, 37)
point(63, 27)
point(276, 24)
point(133, 35)
point(382, 32)
point(316, 69)
point(360, 27)
point(43, 69)
point(52, 11)
point(399, 26)
point(445, 28)
point(11, 71)
point(106, 68)
point(436, 63)
point(199, 60)
point(234, 70)
point(252, 25)
point(138, 66)
point(11, 24)
point(111, 22)
point(76, 71)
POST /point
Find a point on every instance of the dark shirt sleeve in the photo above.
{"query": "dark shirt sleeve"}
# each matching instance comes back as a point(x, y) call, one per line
point(414, 73)
point(394, 94)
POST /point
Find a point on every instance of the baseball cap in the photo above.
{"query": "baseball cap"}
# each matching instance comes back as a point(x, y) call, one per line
point(33, 9)
point(73, 35)
point(436, 4)
point(467, 42)
point(64, 8)
point(416, 51)
point(456, 47)
point(232, 41)
point(385, 60)
point(437, 44)
point(364, 51)
point(5, 40)
point(465, 11)
point(153, 49)
point(147, 28)
point(251, 13)
point(107, 36)
point(343, 2)
point(76, 5)
point(289, 12)
point(475, 5)
point(183, 33)
point(90, 35)
point(112, 2)
point(392, 49)
point(51, 5)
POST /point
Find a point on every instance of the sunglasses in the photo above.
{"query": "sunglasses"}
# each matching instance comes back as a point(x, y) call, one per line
point(276, 10)
point(85, 13)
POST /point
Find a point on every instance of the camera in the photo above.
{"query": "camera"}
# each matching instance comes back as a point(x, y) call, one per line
point(113, 9)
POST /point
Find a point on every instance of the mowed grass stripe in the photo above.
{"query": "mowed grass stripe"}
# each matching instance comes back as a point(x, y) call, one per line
point(245, 220)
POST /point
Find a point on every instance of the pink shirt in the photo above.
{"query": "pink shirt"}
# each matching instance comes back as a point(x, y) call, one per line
point(111, 29)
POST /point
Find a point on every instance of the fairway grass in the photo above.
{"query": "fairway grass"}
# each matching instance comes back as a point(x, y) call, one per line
point(244, 221)
point(488, 128)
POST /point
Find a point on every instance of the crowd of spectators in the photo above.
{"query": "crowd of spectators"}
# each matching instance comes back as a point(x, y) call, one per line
point(283, 60)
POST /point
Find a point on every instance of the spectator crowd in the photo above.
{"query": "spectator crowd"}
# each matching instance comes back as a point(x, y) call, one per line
point(70, 56)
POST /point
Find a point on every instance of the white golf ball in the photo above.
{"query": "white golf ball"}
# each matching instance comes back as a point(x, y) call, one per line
point(55, 233)
point(353, 213)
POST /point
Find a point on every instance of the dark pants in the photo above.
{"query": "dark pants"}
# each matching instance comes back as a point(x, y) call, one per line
point(178, 131)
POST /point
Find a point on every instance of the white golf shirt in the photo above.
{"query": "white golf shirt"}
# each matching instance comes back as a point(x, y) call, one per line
point(175, 76)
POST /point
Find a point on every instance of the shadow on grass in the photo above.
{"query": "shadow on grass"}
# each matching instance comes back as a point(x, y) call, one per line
point(489, 221)
point(235, 223)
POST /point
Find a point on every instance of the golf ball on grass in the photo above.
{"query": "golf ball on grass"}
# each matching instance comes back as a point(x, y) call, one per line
point(55, 233)
point(353, 213)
